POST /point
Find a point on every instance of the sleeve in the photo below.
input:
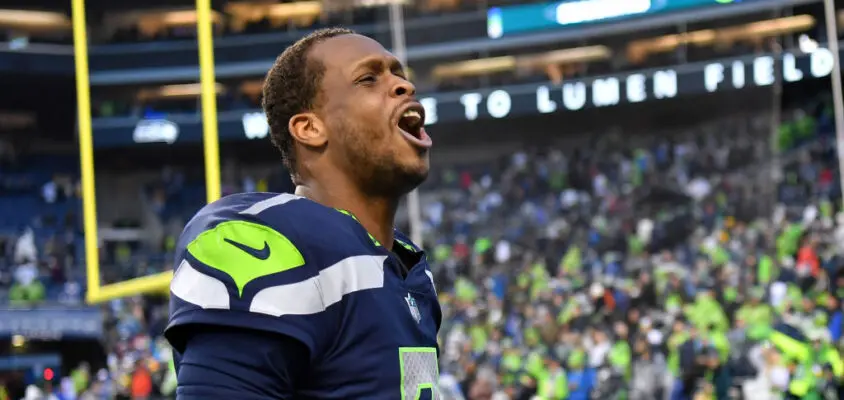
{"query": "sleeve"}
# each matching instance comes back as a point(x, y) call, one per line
point(237, 272)
point(210, 368)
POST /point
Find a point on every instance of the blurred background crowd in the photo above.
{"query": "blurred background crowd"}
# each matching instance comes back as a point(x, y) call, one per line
point(628, 203)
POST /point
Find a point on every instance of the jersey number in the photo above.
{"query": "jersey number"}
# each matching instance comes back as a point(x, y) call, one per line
point(419, 371)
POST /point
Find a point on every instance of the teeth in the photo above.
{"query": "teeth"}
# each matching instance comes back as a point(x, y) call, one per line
point(412, 114)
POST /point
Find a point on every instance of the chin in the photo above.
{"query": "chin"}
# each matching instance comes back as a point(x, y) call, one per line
point(394, 180)
point(413, 176)
point(409, 175)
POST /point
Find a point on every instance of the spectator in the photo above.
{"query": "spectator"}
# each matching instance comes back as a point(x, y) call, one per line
point(67, 389)
point(95, 392)
point(49, 192)
point(81, 376)
point(26, 290)
point(25, 250)
point(141, 382)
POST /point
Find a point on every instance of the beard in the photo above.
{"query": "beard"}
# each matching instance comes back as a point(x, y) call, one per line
point(393, 182)
point(378, 170)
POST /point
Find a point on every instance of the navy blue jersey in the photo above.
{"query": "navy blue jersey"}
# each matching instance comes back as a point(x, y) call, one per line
point(307, 276)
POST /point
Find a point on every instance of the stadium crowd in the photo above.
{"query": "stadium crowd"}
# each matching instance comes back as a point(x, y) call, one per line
point(642, 267)
point(557, 282)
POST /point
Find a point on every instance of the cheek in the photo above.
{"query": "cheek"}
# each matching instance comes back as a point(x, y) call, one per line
point(369, 118)
point(375, 109)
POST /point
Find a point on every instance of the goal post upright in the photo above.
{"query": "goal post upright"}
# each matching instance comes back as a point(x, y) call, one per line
point(155, 283)
point(86, 147)
point(208, 88)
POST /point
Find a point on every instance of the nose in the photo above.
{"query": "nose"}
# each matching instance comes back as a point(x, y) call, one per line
point(403, 87)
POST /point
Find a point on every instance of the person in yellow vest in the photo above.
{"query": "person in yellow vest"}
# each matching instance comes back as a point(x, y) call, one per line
point(829, 367)
point(552, 383)
point(802, 385)
point(81, 376)
point(620, 356)
point(679, 335)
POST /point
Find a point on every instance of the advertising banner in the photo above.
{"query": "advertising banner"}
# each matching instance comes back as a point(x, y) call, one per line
point(569, 13)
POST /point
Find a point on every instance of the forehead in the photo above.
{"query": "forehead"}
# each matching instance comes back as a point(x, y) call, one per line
point(346, 51)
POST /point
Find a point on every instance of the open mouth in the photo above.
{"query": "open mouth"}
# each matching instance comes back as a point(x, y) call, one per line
point(412, 120)
point(412, 125)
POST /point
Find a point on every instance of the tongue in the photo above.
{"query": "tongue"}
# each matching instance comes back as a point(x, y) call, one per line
point(406, 123)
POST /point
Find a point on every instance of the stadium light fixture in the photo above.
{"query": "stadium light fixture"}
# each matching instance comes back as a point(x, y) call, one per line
point(565, 56)
point(767, 28)
point(36, 20)
point(185, 17)
point(539, 61)
point(181, 90)
point(295, 10)
point(706, 37)
point(337, 5)
point(482, 66)
point(299, 12)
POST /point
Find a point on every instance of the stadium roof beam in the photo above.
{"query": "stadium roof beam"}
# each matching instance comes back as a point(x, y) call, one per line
point(152, 22)
point(566, 56)
point(34, 21)
point(340, 5)
point(483, 66)
point(301, 13)
point(540, 61)
point(764, 29)
point(187, 90)
point(252, 87)
point(638, 50)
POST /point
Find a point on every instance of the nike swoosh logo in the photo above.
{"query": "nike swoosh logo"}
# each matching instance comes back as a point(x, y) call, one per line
point(261, 254)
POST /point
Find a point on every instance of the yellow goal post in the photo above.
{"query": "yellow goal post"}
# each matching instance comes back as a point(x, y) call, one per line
point(156, 283)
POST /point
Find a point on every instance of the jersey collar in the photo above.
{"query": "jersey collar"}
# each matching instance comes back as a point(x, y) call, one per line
point(396, 241)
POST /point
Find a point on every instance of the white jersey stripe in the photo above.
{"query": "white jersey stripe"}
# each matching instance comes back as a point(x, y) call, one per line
point(263, 205)
point(310, 296)
point(314, 295)
point(197, 288)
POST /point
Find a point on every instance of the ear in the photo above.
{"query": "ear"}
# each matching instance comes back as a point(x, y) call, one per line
point(308, 129)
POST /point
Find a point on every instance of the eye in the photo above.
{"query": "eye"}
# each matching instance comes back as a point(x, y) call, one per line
point(367, 79)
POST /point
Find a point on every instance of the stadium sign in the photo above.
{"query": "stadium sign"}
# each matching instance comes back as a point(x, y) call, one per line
point(51, 323)
point(512, 101)
point(255, 125)
point(631, 88)
point(155, 130)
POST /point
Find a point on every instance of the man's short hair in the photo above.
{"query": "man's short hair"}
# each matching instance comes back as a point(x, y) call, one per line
point(291, 87)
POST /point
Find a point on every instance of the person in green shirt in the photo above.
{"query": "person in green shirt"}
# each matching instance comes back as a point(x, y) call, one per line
point(552, 384)
point(25, 295)
point(754, 312)
point(679, 335)
point(80, 376)
point(511, 364)
point(620, 356)
point(802, 385)
point(706, 312)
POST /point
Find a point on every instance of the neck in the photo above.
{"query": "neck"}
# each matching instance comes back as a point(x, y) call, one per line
point(377, 215)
